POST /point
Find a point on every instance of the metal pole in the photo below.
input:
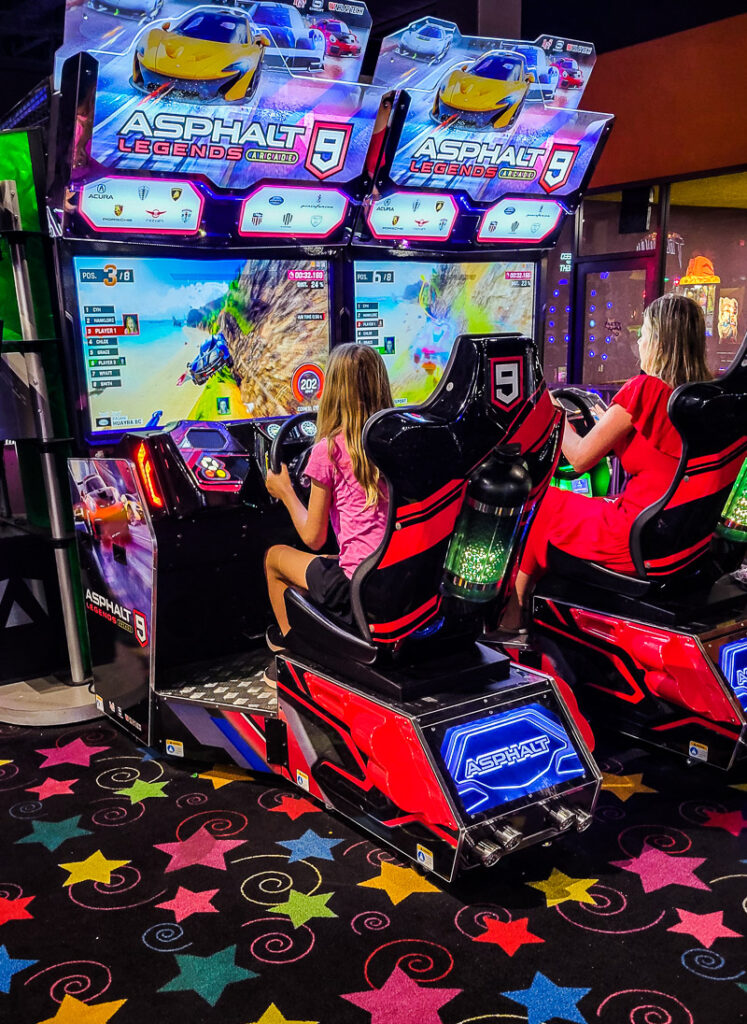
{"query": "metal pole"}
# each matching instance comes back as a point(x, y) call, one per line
point(45, 430)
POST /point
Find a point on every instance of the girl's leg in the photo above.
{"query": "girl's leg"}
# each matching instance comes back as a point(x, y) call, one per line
point(284, 567)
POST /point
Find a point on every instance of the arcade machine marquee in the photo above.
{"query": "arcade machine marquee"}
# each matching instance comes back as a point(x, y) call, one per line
point(221, 223)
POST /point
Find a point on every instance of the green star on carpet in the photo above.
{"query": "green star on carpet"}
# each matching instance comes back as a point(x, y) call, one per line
point(54, 833)
point(208, 976)
point(141, 790)
point(300, 908)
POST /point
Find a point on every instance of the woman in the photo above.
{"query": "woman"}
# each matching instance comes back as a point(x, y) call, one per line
point(637, 428)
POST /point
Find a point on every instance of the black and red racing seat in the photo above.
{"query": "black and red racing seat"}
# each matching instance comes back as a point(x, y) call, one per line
point(492, 394)
point(670, 540)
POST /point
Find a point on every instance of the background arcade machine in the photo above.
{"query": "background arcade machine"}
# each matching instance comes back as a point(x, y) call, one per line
point(197, 280)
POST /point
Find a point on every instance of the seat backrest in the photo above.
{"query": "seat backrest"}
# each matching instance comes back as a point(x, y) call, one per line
point(671, 536)
point(492, 394)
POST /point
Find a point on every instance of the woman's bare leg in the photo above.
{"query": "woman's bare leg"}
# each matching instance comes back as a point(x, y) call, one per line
point(516, 613)
point(285, 567)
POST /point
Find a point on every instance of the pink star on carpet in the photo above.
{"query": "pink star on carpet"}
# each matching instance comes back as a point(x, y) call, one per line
point(200, 848)
point(53, 787)
point(706, 928)
point(294, 806)
point(733, 821)
point(76, 752)
point(186, 903)
point(509, 935)
point(658, 869)
point(400, 998)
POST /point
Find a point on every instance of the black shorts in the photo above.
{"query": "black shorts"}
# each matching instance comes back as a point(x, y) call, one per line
point(329, 588)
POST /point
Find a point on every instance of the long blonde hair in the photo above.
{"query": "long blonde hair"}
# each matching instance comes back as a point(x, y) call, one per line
point(356, 386)
point(676, 352)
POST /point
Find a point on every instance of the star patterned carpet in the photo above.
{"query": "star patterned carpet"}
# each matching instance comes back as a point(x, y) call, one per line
point(134, 889)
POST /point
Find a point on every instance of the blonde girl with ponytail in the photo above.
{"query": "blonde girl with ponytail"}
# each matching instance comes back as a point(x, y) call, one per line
point(345, 490)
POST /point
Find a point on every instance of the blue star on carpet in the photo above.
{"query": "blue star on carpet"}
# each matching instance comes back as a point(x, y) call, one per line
point(545, 1001)
point(54, 833)
point(208, 976)
point(10, 967)
point(310, 844)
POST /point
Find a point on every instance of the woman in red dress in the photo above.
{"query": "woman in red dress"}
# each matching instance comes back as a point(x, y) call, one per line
point(638, 430)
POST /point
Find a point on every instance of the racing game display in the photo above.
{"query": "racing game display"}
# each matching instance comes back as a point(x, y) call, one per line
point(412, 313)
point(170, 339)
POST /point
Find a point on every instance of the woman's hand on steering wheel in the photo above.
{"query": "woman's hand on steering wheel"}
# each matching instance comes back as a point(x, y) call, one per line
point(279, 484)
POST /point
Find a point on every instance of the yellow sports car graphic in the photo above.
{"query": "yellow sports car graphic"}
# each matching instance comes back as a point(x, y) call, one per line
point(489, 92)
point(209, 53)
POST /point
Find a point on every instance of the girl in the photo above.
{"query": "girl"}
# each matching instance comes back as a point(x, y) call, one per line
point(345, 488)
point(637, 428)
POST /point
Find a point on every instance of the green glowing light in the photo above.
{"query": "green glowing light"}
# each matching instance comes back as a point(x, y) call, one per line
point(733, 524)
point(478, 555)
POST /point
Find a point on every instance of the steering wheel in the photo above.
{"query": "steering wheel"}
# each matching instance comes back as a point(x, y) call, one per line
point(585, 401)
point(297, 465)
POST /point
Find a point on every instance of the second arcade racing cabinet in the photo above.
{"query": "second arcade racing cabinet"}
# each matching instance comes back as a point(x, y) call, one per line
point(662, 656)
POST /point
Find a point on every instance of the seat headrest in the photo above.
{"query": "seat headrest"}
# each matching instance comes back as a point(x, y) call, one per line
point(487, 385)
point(710, 415)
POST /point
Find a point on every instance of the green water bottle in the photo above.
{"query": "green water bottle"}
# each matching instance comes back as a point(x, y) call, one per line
point(486, 530)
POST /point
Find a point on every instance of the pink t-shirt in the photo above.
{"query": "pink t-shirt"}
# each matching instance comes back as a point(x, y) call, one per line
point(359, 530)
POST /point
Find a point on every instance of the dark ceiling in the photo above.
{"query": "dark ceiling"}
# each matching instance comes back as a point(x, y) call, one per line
point(30, 32)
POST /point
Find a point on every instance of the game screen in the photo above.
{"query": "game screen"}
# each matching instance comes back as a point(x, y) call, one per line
point(170, 339)
point(412, 313)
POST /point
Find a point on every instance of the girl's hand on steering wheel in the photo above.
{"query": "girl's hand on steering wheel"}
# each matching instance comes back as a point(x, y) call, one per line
point(279, 484)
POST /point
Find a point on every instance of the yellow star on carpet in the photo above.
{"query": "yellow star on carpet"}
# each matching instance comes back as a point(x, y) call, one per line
point(625, 786)
point(4, 762)
point(738, 785)
point(223, 774)
point(95, 868)
point(560, 888)
point(273, 1016)
point(399, 883)
point(73, 1011)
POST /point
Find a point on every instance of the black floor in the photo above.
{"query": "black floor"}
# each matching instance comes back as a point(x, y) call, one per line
point(138, 891)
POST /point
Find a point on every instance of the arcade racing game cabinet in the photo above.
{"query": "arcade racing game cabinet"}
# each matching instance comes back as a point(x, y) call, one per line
point(661, 656)
point(418, 733)
point(195, 254)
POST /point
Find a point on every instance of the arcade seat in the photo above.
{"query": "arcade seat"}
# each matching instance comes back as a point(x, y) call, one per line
point(640, 648)
point(407, 633)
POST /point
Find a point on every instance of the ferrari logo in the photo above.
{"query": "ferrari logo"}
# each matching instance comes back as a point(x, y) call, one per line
point(395, 219)
point(176, 193)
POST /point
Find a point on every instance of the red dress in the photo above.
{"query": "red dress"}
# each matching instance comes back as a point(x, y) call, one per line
point(598, 529)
